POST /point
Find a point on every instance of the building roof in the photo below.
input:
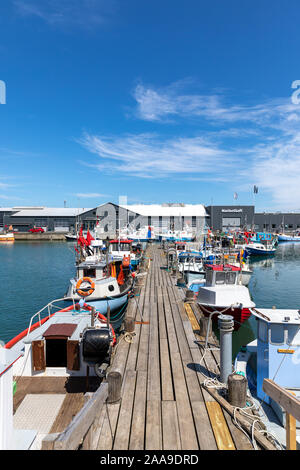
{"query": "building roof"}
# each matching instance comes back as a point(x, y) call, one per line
point(50, 212)
point(176, 210)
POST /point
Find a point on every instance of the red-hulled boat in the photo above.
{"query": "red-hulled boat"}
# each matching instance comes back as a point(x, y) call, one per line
point(224, 292)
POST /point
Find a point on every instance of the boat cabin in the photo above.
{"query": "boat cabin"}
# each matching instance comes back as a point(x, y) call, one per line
point(92, 268)
point(220, 274)
point(123, 247)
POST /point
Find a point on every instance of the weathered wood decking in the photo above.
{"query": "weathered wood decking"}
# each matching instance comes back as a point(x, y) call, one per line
point(164, 406)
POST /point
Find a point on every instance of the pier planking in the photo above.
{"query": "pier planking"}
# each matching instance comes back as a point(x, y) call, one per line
point(164, 406)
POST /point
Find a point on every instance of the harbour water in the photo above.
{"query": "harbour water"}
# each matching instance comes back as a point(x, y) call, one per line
point(33, 274)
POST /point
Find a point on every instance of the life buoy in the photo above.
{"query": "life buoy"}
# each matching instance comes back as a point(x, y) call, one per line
point(126, 261)
point(85, 293)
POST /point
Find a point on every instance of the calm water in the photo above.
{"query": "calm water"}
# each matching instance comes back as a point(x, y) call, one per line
point(33, 274)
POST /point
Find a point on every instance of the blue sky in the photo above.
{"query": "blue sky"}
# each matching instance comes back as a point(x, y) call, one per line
point(173, 101)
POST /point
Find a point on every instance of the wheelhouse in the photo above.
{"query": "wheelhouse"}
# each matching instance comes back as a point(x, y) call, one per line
point(217, 275)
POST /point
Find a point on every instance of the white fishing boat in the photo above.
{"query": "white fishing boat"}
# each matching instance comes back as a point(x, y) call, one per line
point(56, 359)
point(282, 237)
point(224, 292)
point(7, 237)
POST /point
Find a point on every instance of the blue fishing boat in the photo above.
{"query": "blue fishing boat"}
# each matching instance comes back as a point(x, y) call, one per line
point(275, 355)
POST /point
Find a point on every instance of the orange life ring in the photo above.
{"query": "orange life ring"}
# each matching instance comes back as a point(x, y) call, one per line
point(85, 293)
point(126, 261)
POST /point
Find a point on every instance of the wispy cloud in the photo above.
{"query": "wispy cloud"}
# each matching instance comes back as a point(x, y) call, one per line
point(231, 144)
point(150, 156)
point(90, 195)
point(85, 14)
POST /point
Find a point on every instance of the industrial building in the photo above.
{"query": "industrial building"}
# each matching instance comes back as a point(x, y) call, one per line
point(112, 217)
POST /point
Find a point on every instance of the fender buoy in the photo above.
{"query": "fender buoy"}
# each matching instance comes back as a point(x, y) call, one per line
point(85, 293)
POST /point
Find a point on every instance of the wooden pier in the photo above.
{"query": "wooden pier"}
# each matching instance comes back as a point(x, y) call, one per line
point(164, 405)
point(167, 400)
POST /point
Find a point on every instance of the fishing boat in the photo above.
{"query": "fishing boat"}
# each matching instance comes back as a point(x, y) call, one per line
point(223, 292)
point(275, 355)
point(260, 249)
point(121, 249)
point(53, 361)
point(107, 284)
point(7, 237)
point(282, 237)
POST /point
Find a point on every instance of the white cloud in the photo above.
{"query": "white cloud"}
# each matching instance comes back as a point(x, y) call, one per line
point(231, 144)
point(82, 13)
point(91, 195)
point(149, 156)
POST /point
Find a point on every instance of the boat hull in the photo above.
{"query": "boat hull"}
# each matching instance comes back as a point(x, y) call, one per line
point(240, 315)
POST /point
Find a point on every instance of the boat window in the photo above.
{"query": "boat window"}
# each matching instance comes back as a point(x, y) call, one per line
point(263, 331)
point(277, 334)
point(125, 247)
point(292, 335)
point(89, 272)
point(220, 277)
point(209, 277)
point(230, 278)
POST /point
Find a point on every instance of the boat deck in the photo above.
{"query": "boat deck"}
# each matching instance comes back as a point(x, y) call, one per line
point(73, 388)
point(164, 405)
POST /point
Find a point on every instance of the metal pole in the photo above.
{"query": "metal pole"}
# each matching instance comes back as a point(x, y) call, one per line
point(225, 323)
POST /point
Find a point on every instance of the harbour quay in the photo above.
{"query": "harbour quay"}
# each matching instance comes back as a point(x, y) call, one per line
point(166, 216)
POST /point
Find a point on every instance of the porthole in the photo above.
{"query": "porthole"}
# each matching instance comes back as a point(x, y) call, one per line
point(111, 288)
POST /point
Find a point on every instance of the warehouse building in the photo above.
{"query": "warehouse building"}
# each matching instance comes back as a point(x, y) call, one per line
point(111, 217)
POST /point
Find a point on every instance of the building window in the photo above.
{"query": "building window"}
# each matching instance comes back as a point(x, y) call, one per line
point(149, 219)
point(273, 225)
point(160, 221)
point(172, 222)
point(194, 221)
point(231, 222)
point(291, 225)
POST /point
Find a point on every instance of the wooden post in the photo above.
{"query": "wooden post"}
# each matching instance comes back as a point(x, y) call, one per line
point(237, 390)
point(204, 326)
point(129, 324)
point(189, 295)
point(114, 379)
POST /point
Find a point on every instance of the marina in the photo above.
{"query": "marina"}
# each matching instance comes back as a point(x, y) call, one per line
point(159, 386)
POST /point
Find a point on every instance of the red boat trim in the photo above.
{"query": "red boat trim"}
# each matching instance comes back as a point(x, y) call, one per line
point(20, 336)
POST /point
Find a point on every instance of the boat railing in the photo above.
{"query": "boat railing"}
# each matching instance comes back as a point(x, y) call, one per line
point(48, 308)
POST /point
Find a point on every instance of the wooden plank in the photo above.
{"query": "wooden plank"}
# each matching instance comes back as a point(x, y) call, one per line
point(153, 389)
point(260, 438)
point(124, 422)
point(73, 435)
point(290, 425)
point(203, 427)
point(283, 397)
point(72, 404)
point(167, 391)
point(137, 435)
point(153, 426)
point(219, 426)
point(108, 430)
point(170, 426)
point(241, 441)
